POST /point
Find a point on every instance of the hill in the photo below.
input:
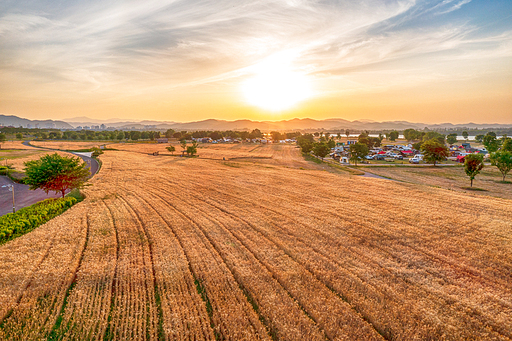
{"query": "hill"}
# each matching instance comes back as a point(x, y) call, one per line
point(9, 120)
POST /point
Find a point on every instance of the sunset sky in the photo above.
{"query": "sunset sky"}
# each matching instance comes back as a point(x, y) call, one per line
point(420, 61)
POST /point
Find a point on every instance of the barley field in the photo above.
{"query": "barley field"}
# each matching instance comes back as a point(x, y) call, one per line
point(17, 158)
point(67, 145)
point(14, 145)
point(268, 248)
point(488, 182)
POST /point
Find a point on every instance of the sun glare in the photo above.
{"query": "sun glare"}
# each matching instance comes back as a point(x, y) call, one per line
point(275, 86)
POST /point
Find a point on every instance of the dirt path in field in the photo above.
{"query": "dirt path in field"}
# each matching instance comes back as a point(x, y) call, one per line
point(371, 175)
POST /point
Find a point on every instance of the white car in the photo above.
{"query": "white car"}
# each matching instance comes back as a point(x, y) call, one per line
point(416, 159)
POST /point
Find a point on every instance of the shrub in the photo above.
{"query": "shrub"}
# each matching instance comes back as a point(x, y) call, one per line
point(13, 225)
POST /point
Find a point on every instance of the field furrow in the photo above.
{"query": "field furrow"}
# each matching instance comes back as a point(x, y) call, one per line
point(230, 314)
point(183, 314)
point(389, 272)
point(280, 313)
point(88, 305)
point(36, 312)
point(262, 245)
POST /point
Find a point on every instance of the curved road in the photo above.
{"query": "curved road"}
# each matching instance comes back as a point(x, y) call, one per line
point(93, 164)
point(24, 197)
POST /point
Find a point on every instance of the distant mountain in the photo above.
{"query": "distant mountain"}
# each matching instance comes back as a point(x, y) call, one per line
point(296, 124)
point(308, 124)
point(113, 122)
point(9, 120)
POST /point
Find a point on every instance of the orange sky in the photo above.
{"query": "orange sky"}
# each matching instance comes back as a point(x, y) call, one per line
point(420, 61)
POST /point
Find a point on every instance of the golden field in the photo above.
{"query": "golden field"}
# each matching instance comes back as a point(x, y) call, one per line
point(67, 145)
point(488, 182)
point(269, 247)
point(17, 158)
point(14, 145)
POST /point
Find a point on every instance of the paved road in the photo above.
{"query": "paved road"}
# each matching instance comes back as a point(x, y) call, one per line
point(93, 164)
point(24, 197)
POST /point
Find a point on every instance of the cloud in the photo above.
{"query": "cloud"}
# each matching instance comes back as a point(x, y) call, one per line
point(137, 48)
point(454, 7)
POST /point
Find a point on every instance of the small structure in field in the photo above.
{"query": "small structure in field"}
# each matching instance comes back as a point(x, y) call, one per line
point(155, 153)
point(162, 140)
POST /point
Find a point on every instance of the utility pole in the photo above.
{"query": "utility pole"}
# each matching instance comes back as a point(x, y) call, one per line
point(11, 189)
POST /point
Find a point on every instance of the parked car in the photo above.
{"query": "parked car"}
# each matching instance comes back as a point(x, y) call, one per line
point(416, 159)
point(399, 157)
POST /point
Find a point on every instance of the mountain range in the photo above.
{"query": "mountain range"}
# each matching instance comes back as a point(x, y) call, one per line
point(15, 121)
point(305, 124)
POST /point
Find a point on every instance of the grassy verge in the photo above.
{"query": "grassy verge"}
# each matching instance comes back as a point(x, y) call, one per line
point(332, 164)
point(13, 225)
point(13, 174)
point(75, 193)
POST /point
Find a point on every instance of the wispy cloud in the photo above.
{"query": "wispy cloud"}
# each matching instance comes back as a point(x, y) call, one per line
point(133, 48)
point(455, 7)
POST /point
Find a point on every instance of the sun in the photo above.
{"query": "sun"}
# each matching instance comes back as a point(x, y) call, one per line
point(274, 86)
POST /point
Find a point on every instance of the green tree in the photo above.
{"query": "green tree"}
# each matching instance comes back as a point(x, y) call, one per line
point(192, 150)
point(134, 135)
point(376, 141)
point(479, 138)
point(410, 134)
point(451, 138)
point(183, 144)
point(490, 142)
point(331, 143)
point(502, 159)
point(434, 151)
point(347, 132)
point(433, 135)
point(392, 135)
point(321, 149)
point(171, 149)
point(53, 172)
point(19, 136)
point(465, 135)
point(276, 136)
point(255, 134)
point(417, 145)
point(473, 164)
point(358, 151)
point(169, 133)
point(305, 142)
point(54, 135)
point(506, 144)
point(120, 135)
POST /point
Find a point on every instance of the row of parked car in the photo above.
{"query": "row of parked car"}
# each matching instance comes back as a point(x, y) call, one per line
point(392, 157)
point(384, 157)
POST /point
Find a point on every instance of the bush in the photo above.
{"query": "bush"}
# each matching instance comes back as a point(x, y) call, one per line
point(13, 225)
